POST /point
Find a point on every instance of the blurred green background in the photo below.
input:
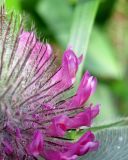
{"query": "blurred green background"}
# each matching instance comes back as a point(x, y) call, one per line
point(98, 29)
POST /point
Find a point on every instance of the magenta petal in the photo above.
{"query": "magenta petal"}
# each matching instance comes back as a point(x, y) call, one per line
point(58, 126)
point(84, 80)
point(39, 52)
point(37, 144)
point(95, 111)
point(8, 148)
point(44, 51)
point(86, 88)
point(84, 118)
point(56, 155)
point(88, 136)
point(67, 72)
point(81, 119)
point(85, 144)
point(90, 146)
point(26, 38)
point(51, 155)
point(18, 133)
point(93, 85)
point(70, 64)
point(57, 77)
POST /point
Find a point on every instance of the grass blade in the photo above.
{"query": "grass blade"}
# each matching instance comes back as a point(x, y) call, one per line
point(81, 28)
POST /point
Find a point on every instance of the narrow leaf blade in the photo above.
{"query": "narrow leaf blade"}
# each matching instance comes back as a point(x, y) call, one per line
point(81, 28)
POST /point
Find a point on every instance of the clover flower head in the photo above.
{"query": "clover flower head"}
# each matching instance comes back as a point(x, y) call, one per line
point(35, 111)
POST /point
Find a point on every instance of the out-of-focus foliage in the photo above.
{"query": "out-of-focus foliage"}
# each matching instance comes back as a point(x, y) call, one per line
point(104, 42)
point(103, 55)
point(13, 5)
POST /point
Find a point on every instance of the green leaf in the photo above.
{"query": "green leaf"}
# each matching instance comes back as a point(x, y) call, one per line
point(102, 60)
point(118, 122)
point(113, 145)
point(84, 16)
point(57, 14)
